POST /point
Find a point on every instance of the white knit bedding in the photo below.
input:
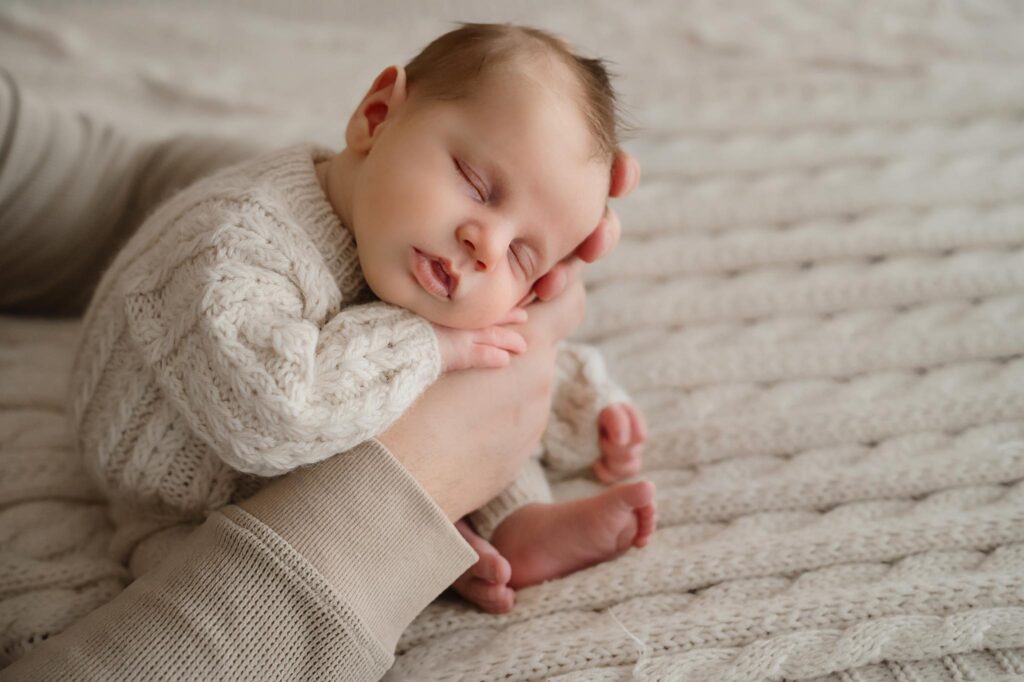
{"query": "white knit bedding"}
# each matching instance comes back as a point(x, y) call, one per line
point(818, 302)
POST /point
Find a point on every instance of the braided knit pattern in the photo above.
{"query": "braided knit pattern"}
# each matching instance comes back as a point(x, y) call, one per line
point(818, 303)
point(233, 334)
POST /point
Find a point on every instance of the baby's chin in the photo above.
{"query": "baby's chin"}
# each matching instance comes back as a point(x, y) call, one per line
point(456, 317)
point(447, 314)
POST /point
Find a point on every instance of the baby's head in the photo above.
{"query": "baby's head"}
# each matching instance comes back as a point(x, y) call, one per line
point(472, 171)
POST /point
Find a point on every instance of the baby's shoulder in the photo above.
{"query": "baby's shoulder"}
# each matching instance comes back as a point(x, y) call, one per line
point(230, 191)
point(248, 196)
point(240, 219)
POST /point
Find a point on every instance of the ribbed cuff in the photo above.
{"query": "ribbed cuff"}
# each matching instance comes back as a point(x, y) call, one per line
point(373, 533)
point(419, 340)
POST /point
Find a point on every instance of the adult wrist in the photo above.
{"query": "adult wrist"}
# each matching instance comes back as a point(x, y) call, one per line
point(371, 531)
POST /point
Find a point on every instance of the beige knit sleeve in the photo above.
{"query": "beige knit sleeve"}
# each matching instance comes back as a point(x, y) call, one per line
point(583, 388)
point(236, 327)
point(315, 578)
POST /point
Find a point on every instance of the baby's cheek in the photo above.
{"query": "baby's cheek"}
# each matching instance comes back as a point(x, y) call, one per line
point(476, 312)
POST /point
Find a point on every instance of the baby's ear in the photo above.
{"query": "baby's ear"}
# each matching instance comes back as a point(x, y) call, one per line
point(386, 96)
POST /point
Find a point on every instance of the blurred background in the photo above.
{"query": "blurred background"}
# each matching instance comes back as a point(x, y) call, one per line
point(288, 71)
point(284, 71)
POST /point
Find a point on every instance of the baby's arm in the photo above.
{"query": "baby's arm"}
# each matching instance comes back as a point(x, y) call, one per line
point(490, 347)
point(593, 422)
point(240, 338)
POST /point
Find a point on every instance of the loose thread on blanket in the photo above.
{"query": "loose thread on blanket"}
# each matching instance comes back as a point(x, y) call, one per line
point(642, 645)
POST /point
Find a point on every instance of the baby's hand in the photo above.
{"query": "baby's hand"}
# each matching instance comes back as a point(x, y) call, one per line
point(623, 431)
point(490, 347)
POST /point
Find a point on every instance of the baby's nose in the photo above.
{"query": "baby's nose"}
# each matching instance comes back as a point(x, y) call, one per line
point(483, 248)
point(478, 265)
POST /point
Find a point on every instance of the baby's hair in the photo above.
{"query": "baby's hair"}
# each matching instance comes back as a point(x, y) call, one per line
point(452, 66)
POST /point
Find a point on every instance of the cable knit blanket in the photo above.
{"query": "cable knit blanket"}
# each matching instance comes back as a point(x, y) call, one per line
point(818, 301)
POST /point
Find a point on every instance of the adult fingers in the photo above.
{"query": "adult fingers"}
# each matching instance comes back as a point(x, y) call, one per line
point(603, 239)
point(552, 284)
point(625, 174)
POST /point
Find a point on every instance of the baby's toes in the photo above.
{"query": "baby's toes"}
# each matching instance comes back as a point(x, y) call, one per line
point(646, 521)
point(492, 568)
point(622, 461)
point(628, 465)
point(602, 472)
point(488, 596)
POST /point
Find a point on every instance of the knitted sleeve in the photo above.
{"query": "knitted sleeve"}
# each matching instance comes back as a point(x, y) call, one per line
point(314, 578)
point(238, 330)
point(582, 389)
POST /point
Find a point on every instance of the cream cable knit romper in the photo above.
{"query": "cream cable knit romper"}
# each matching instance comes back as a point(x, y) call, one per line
point(234, 339)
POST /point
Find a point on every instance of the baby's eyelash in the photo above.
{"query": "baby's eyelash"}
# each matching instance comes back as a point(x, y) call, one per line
point(512, 252)
point(482, 194)
point(524, 262)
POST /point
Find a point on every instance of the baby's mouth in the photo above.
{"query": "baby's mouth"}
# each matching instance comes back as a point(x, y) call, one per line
point(436, 275)
point(442, 275)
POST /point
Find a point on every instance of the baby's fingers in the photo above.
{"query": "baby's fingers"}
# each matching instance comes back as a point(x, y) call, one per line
point(515, 316)
point(492, 347)
point(488, 357)
point(501, 337)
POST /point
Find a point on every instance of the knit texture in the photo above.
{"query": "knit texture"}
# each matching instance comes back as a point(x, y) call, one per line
point(235, 334)
point(323, 614)
point(570, 443)
point(817, 302)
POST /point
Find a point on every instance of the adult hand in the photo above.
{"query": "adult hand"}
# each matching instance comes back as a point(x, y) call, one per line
point(470, 433)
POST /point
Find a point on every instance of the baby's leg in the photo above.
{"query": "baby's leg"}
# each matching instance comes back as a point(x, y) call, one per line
point(533, 539)
point(543, 541)
point(486, 583)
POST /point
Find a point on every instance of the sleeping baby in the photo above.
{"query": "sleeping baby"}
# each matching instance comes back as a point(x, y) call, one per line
point(285, 309)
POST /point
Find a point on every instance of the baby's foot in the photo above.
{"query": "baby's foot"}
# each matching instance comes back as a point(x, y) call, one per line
point(485, 583)
point(547, 541)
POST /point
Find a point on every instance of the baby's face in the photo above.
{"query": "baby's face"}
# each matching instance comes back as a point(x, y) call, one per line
point(460, 207)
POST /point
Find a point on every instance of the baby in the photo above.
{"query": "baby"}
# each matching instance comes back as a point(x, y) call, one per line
point(288, 308)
